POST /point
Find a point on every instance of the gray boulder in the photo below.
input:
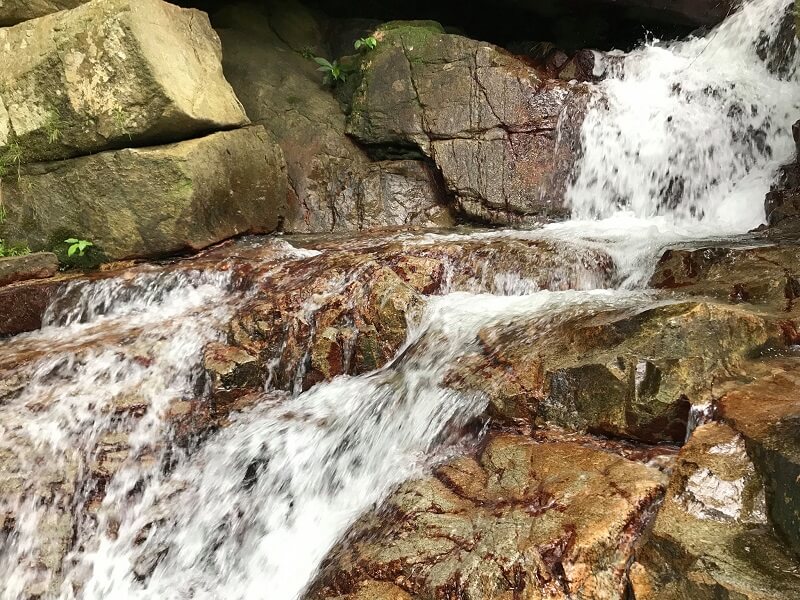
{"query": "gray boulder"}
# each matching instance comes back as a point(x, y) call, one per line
point(485, 118)
point(334, 185)
point(152, 201)
point(109, 74)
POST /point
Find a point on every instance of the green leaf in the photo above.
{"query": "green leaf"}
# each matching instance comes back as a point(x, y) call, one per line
point(71, 241)
point(321, 61)
point(72, 250)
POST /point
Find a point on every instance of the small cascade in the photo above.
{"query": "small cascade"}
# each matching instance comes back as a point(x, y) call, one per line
point(262, 502)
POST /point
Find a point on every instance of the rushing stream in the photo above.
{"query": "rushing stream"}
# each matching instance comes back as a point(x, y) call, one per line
point(686, 135)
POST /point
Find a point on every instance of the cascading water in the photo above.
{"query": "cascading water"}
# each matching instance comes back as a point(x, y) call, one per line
point(693, 131)
point(685, 137)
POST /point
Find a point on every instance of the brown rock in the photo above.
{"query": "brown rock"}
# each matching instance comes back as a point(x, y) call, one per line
point(711, 539)
point(613, 373)
point(39, 265)
point(767, 414)
point(761, 275)
point(534, 520)
point(347, 311)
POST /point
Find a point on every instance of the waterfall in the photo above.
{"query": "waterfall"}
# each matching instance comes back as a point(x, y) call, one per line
point(694, 131)
point(682, 141)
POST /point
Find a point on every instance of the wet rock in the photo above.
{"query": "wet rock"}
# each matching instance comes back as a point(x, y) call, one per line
point(152, 201)
point(39, 265)
point(229, 369)
point(326, 323)
point(97, 77)
point(615, 373)
point(710, 539)
point(512, 522)
point(767, 414)
point(347, 310)
point(757, 274)
point(484, 117)
point(23, 304)
point(334, 186)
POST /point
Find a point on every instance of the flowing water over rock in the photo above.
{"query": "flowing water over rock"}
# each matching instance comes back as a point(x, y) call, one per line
point(124, 475)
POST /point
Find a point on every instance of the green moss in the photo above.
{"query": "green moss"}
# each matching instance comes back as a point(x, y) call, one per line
point(429, 26)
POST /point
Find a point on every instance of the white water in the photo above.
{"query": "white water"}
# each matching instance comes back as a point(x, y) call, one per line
point(252, 511)
point(691, 132)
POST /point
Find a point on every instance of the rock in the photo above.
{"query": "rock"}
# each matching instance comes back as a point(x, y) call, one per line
point(230, 368)
point(483, 116)
point(39, 265)
point(15, 11)
point(756, 274)
point(767, 414)
point(334, 186)
point(555, 520)
point(319, 325)
point(347, 310)
point(23, 304)
point(613, 373)
point(152, 201)
point(782, 203)
point(710, 539)
point(96, 77)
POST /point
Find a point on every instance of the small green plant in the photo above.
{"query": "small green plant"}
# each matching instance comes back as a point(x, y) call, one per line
point(7, 250)
point(10, 157)
point(52, 126)
point(77, 246)
point(366, 43)
point(333, 70)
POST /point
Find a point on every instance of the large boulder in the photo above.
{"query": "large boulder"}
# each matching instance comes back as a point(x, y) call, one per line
point(107, 74)
point(613, 372)
point(334, 186)
point(486, 119)
point(711, 539)
point(554, 520)
point(151, 201)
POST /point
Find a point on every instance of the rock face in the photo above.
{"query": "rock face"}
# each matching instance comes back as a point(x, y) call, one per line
point(783, 201)
point(95, 77)
point(767, 414)
point(347, 311)
point(14, 11)
point(613, 373)
point(31, 266)
point(485, 118)
point(763, 275)
point(711, 538)
point(152, 201)
point(334, 186)
point(511, 523)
